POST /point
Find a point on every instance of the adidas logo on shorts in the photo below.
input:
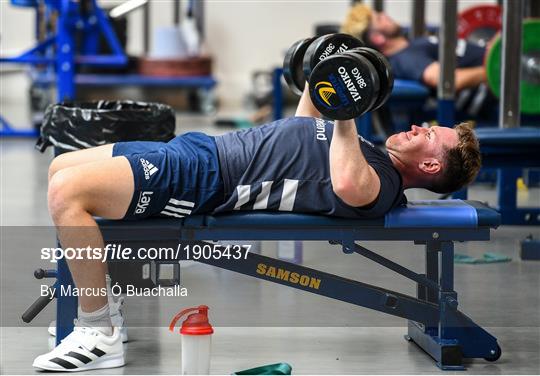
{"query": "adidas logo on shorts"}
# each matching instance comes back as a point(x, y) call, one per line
point(149, 168)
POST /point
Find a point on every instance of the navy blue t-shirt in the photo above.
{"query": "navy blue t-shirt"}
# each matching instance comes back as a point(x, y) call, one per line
point(284, 166)
point(410, 63)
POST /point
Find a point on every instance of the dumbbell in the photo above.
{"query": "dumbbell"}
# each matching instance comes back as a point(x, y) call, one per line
point(368, 86)
point(305, 54)
point(347, 85)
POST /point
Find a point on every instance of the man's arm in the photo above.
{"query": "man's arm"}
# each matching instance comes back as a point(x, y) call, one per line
point(464, 78)
point(305, 106)
point(354, 181)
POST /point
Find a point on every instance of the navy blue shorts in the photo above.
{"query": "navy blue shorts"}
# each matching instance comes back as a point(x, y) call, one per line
point(175, 179)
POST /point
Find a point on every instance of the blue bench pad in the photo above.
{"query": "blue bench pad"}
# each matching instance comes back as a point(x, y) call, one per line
point(517, 137)
point(409, 89)
point(417, 214)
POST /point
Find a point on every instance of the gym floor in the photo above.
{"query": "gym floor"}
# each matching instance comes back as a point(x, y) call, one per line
point(260, 323)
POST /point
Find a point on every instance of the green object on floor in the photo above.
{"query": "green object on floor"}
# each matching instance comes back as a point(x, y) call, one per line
point(494, 257)
point(487, 258)
point(235, 122)
point(270, 369)
point(464, 259)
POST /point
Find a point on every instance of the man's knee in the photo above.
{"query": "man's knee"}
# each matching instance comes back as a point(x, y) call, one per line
point(56, 165)
point(63, 195)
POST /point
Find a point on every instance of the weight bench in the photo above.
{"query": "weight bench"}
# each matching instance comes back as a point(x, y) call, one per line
point(434, 321)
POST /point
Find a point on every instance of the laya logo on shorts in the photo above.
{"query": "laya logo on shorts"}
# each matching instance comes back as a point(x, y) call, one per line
point(149, 168)
point(144, 201)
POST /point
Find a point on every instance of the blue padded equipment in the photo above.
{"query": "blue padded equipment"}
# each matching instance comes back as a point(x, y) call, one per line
point(516, 137)
point(416, 214)
point(450, 213)
point(424, 214)
point(409, 89)
point(509, 147)
point(25, 3)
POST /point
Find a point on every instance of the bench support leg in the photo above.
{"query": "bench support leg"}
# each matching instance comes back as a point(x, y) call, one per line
point(456, 336)
point(530, 249)
point(66, 304)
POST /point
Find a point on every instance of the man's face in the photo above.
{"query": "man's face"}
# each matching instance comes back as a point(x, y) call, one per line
point(421, 145)
point(382, 23)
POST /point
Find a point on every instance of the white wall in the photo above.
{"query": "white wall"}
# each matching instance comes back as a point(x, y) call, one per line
point(242, 35)
point(16, 33)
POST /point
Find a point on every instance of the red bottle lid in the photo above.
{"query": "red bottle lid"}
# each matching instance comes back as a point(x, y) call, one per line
point(196, 324)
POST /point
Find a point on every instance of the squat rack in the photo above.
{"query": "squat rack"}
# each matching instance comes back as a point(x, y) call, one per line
point(58, 51)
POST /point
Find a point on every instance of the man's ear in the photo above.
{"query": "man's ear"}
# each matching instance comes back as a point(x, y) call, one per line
point(430, 166)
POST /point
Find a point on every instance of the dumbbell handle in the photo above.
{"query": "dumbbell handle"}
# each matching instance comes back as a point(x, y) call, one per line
point(40, 273)
point(38, 305)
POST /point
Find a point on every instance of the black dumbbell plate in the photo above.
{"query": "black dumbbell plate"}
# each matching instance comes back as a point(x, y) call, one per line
point(344, 86)
point(326, 46)
point(386, 78)
point(292, 65)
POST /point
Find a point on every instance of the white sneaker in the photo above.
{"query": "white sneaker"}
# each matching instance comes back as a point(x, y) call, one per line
point(117, 319)
point(84, 349)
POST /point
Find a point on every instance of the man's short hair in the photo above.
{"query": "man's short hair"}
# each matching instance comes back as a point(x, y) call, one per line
point(460, 163)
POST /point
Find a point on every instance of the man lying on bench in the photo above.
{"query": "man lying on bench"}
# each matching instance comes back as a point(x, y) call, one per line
point(417, 59)
point(300, 164)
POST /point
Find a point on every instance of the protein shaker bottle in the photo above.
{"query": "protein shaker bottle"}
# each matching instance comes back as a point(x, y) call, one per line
point(196, 334)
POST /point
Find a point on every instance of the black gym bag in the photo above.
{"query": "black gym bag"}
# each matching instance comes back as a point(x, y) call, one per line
point(72, 126)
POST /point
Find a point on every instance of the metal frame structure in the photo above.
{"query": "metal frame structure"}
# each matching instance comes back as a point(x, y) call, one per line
point(92, 22)
point(58, 50)
point(508, 168)
point(509, 110)
point(447, 58)
point(418, 24)
point(58, 53)
point(435, 323)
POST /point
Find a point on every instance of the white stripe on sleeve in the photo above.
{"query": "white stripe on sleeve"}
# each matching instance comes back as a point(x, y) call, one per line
point(288, 195)
point(261, 202)
point(243, 195)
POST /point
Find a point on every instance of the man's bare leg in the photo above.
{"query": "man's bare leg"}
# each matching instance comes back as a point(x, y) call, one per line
point(75, 158)
point(84, 184)
point(103, 188)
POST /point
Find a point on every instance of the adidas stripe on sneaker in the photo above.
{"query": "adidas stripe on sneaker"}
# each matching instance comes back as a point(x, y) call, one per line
point(84, 349)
